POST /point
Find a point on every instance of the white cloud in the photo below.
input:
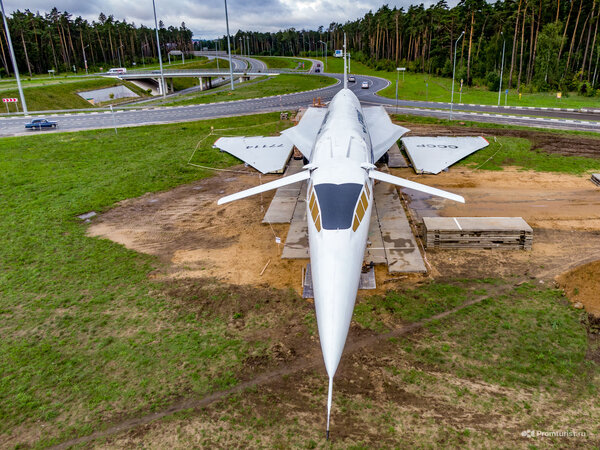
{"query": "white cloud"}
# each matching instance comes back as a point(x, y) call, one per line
point(207, 19)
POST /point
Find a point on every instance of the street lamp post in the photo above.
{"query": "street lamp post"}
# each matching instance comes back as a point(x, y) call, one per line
point(397, 80)
point(229, 47)
point(325, 44)
point(502, 68)
point(85, 59)
point(454, 70)
point(13, 59)
point(241, 48)
point(162, 73)
point(216, 53)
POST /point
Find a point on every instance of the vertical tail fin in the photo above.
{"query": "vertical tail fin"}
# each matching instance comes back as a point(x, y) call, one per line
point(345, 65)
point(329, 398)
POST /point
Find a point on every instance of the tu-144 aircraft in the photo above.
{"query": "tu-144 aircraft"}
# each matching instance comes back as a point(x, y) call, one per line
point(342, 144)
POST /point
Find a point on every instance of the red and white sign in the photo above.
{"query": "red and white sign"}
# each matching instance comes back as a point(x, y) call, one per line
point(10, 100)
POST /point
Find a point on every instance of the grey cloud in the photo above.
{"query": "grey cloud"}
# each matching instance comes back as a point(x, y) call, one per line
point(207, 19)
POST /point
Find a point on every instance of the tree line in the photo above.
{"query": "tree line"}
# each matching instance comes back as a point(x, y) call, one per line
point(549, 44)
point(57, 41)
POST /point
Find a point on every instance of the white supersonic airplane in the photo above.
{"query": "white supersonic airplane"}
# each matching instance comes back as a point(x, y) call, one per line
point(342, 144)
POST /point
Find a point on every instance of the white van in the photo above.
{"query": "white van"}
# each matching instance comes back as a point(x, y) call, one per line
point(117, 70)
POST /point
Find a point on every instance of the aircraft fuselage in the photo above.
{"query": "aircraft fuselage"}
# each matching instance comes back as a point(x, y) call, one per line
point(339, 205)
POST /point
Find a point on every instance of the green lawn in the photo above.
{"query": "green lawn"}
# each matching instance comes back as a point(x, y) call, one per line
point(407, 120)
point(417, 86)
point(280, 62)
point(272, 85)
point(63, 95)
point(86, 336)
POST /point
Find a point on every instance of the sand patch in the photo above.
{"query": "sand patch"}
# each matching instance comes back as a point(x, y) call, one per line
point(582, 284)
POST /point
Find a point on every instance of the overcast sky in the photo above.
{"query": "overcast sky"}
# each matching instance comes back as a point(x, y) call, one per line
point(207, 18)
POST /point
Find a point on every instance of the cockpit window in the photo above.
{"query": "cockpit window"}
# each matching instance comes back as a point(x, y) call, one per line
point(337, 203)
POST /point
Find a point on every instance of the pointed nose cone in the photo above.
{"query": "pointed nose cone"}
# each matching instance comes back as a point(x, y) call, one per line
point(336, 274)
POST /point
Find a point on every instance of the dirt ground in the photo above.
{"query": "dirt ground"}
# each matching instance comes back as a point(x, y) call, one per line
point(582, 285)
point(195, 238)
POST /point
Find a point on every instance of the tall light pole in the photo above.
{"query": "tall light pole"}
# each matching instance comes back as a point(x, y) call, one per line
point(325, 43)
point(248, 45)
point(241, 48)
point(13, 59)
point(85, 59)
point(397, 80)
point(162, 73)
point(216, 53)
point(454, 70)
point(229, 47)
point(502, 68)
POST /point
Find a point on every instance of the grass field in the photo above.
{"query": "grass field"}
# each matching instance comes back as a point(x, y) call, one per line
point(83, 328)
point(260, 87)
point(516, 361)
point(88, 338)
point(418, 86)
point(63, 95)
point(279, 62)
point(408, 119)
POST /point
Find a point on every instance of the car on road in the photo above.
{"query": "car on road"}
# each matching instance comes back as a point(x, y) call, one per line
point(117, 70)
point(351, 79)
point(365, 85)
point(38, 124)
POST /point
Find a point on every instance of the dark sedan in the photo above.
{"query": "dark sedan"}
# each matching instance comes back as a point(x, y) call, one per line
point(38, 124)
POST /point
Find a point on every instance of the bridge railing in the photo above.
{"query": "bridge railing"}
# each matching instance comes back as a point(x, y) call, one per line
point(224, 72)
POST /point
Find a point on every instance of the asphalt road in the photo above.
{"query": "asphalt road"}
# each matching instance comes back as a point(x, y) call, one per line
point(571, 120)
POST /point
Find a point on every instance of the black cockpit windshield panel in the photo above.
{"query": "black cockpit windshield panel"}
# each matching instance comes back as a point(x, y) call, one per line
point(337, 202)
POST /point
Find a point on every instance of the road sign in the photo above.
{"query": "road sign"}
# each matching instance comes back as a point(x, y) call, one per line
point(338, 54)
point(559, 95)
point(10, 100)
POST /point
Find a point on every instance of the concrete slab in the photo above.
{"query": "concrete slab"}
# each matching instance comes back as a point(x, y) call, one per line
point(296, 243)
point(477, 232)
point(281, 209)
point(375, 252)
point(476, 224)
point(400, 246)
point(395, 158)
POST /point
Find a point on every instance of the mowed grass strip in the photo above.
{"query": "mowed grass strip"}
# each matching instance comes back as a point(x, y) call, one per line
point(273, 85)
point(279, 62)
point(424, 87)
point(64, 95)
point(407, 120)
point(86, 336)
point(529, 337)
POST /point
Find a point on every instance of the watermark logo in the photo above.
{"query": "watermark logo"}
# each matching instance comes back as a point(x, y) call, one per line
point(565, 434)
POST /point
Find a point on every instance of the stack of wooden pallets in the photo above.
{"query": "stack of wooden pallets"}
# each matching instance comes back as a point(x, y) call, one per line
point(477, 232)
point(596, 179)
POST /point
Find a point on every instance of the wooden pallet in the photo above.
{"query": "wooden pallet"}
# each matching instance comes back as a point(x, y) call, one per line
point(477, 232)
